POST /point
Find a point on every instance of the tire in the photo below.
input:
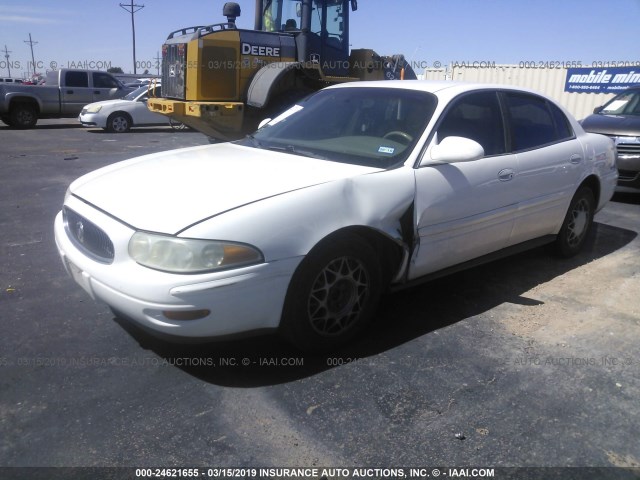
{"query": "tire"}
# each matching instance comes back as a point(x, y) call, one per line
point(175, 125)
point(577, 223)
point(23, 115)
point(6, 120)
point(333, 294)
point(119, 122)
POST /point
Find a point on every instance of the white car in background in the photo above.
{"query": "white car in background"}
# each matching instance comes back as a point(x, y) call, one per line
point(119, 116)
point(360, 188)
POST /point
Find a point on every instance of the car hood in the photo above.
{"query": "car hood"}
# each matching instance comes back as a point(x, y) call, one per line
point(169, 191)
point(116, 102)
point(612, 124)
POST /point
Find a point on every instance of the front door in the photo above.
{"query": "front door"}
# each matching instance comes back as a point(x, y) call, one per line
point(466, 209)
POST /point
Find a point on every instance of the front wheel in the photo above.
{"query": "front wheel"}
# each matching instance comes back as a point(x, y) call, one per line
point(118, 123)
point(332, 295)
point(577, 223)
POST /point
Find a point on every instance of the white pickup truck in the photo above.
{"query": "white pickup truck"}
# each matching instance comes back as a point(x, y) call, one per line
point(63, 95)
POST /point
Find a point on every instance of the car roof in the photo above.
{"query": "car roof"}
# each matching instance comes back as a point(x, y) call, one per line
point(447, 88)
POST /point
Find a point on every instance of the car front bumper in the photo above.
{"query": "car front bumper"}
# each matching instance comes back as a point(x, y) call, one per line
point(239, 300)
point(628, 163)
point(92, 120)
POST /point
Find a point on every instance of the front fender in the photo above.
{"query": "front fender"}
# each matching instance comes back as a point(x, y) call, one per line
point(292, 223)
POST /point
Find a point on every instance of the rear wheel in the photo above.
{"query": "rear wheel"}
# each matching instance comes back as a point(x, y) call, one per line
point(577, 223)
point(23, 115)
point(119, 123)
point(332, 295)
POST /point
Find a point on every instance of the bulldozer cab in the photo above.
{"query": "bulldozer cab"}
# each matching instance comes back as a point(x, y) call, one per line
point(321, 28)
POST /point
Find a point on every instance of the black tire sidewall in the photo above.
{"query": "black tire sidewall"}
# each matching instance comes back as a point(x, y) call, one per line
point(295, 325)
point(14, 116)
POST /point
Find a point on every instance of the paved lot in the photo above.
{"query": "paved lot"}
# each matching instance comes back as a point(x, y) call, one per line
point(532, 361)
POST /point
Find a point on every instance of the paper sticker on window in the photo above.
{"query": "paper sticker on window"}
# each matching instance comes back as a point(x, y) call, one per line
point(388, 150)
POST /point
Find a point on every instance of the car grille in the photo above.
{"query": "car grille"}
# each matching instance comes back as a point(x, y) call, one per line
point(632, 149)
point(174, 62)
point(627, 175)
point(88, 237)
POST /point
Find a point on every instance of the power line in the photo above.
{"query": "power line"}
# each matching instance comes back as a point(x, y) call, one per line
point(33, 59)
point(132, 9)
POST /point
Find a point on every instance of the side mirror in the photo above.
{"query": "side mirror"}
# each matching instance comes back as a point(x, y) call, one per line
point(456, 149)
point(598, 109)
point(354, 5)
point(263, 123)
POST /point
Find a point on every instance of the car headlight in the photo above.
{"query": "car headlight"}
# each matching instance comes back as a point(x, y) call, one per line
point(94, 109)
point(186, 255)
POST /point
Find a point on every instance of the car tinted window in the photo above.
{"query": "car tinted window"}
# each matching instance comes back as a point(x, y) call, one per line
point(76, 79)
point(102, 80)
point(563, 127)
point(476, 116)
point(367, 126)
point(531, 122)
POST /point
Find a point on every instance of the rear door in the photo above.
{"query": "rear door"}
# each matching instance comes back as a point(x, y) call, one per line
point(105, 87)
point(466, 209)
point(550, 160)
point(75, 92)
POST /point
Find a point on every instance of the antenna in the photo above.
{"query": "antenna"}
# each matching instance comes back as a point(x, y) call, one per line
point(132, 9)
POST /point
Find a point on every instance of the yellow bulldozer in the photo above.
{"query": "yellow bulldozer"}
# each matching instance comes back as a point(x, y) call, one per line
point(222, 80)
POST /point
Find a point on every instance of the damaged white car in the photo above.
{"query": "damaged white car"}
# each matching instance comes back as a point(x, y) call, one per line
point(359, 189)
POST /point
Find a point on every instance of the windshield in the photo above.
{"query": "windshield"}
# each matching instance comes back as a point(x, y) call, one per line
point(375, 127)
point(140, 91)
point(627, 103)
point(281, 15)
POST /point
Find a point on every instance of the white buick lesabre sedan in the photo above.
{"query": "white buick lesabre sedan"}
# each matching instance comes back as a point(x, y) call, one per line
point(359, 188)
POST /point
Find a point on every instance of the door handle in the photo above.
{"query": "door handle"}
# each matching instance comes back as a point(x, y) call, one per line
point(70, 92)
point(506, 174)
point(96, 92)
point(575, 159)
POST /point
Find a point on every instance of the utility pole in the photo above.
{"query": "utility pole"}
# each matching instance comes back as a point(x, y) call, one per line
point(157, 59)
point(132, 9)
point(33, 59)
point(6, 55)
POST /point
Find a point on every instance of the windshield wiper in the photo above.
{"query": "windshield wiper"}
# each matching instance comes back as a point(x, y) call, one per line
point(295, 150)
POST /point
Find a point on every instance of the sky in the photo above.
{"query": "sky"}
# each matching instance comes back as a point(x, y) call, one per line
point(97, 33)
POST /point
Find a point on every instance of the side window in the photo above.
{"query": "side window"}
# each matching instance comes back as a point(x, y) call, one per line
point(102, 80)
point(76, 79)
point(563, 127)
point(476, 116)
point(532, 124)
